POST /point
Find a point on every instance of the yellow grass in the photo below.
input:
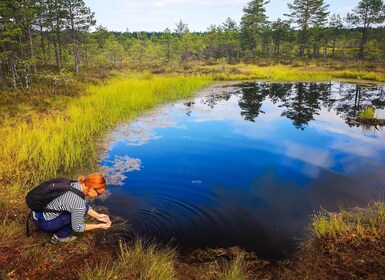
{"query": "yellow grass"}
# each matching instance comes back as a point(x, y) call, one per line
point(358, 222)
point(43, 147)
point(290, 73)
point(137, 262)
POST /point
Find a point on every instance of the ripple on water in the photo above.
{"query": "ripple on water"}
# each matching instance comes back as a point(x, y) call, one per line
point(245, 165)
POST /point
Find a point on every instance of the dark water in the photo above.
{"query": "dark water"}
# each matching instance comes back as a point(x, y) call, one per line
point(246, 164)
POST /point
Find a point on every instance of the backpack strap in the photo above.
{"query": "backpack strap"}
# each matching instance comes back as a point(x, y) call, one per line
point(75, 191)
point(78, 192)
point(27, 223)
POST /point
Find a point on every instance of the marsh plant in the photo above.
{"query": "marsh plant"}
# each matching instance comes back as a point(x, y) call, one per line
point(43, 147)
point(367, 113)
point(139, 261)
point(360, 222)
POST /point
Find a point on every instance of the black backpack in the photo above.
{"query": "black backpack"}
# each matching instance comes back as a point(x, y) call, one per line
point(39, 197)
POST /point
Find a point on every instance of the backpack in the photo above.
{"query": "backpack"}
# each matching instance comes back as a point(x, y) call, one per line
point(39, 197)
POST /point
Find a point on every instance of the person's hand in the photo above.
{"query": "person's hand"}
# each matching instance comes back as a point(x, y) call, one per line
point(105, 226)
point(103, 218)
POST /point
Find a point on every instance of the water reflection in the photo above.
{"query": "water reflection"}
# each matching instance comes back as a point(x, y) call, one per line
point(302, 101)
point(246, 164)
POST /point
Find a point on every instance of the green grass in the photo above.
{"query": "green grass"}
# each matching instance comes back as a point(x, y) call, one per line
point(235, 270)
point(139, 261)
point(367, 113)
point(357, 223)
point(289, 73)
point(149, 261)
point(43, 147)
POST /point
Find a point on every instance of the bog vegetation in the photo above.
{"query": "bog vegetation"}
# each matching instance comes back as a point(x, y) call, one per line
point(48, 41)
point(55, 101)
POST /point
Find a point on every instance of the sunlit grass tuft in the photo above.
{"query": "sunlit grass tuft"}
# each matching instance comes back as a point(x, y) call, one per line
point(140, 261)
point(235, 270)
point(358, 223)
point(367, 113)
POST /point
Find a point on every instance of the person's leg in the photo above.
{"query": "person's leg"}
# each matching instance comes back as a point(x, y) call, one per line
point(61, 225)
point(66, 228)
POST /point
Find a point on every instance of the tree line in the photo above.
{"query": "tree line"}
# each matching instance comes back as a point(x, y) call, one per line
point(47, 38)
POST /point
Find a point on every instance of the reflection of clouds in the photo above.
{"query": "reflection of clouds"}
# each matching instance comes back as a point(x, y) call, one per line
point(142, 131)
point(134, 136)
point(352, 140)
point(315, 157)
point(380, 113)
point(224, 110)
point(115, 173)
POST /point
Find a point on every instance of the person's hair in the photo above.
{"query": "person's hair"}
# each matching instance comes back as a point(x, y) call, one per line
point(93, 180)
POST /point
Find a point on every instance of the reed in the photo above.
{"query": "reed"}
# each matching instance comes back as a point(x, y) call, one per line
point(42, 147)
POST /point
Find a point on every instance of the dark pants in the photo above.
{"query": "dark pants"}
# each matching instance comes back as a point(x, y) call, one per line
point(61, 225)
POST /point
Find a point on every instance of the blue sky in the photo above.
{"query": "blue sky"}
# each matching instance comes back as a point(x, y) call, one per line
point(157, 15)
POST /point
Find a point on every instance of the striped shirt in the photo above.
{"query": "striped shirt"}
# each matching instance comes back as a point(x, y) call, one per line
point(71, 203)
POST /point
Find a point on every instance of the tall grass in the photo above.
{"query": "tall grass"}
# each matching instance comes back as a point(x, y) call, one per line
point(43, 147)
point(358, 223)
point(235, 270)
point(137, 262)
point(290, 73)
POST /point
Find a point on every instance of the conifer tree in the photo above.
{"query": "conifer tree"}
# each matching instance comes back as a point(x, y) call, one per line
point(280, 29)
point(253, 23)
point(78, 19)
point(307, 14)
point(231, 39)
point(335, 25)
point(367, 13)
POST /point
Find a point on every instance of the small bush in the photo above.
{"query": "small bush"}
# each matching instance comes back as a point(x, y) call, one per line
point(367, 113)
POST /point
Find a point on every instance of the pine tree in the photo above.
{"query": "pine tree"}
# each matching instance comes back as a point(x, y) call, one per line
point(78, 19)
point(181, 27)
point(280, 29)
point(367, 13)
point(307, 14)
point(55, 23)
point(253, 23)
point(10, 34)
point(231, 39)
point(335, 25)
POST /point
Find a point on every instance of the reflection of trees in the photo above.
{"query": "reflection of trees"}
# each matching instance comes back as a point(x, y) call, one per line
point(353, 98)
point(189, 105)
point(250, 100)
point(302, 101)
point(214, 99)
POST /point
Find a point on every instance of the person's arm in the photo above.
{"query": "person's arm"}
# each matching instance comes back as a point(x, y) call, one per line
point(78, 225)
point(100, 217)
point(97, 226)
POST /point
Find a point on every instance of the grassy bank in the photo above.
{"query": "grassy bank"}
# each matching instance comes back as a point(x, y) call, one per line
point(56, 141)
point(42, 147)
point(349, 244)
point(290, 73)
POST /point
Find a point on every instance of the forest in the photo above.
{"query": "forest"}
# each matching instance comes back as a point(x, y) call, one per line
point(66, 84)
point(49, 40)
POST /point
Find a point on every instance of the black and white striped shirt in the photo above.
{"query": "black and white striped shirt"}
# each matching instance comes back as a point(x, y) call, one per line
point(72, 203)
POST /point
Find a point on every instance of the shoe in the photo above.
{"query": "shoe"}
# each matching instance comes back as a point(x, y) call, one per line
point(56, 240)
